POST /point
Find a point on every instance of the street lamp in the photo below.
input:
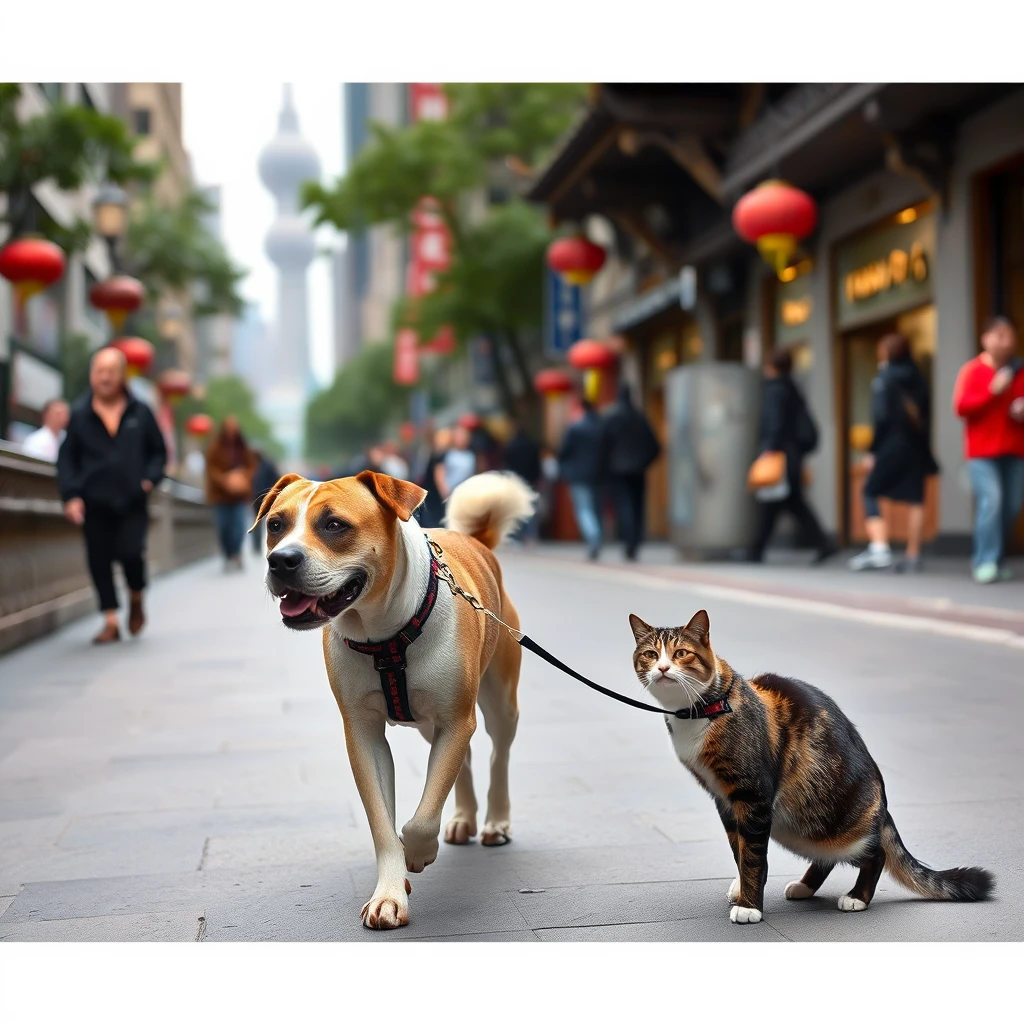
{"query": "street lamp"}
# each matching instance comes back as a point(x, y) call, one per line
point(110, 217)
point(170, 323)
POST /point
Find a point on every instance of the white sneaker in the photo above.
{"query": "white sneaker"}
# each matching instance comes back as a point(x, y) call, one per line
point(871, 558)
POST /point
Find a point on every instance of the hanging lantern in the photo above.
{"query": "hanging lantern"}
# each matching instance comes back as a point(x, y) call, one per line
point(138, 354)
point(174, 385)
point(407, 432)
point(469, 420)
point(31, 264)
point(576, 259)
point(199, 425)
point(775, 216)
point(552, 382)
point(592, 357)
point(118, 296)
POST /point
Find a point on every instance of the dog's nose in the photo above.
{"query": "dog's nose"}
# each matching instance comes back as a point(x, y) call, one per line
point(284, 561)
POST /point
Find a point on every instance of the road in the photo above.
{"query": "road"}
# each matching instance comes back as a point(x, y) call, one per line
point(193, 785)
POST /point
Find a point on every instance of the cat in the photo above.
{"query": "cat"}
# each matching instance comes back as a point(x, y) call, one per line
point(781, 760)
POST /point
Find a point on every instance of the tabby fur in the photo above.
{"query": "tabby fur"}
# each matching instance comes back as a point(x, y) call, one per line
point(786, 763)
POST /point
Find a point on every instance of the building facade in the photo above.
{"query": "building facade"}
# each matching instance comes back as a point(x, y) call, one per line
point(920, 230)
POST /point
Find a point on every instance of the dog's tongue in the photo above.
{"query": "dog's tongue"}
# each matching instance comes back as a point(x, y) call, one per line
point(295, 604)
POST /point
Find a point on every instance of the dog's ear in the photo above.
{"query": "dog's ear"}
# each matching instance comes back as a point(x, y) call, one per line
point(639, 627)
point(400, 496)
point(271, 497)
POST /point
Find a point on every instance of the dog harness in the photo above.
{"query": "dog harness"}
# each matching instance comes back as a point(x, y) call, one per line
point(389, 655)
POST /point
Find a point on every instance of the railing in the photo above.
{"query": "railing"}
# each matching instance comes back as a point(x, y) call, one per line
point(44, 581)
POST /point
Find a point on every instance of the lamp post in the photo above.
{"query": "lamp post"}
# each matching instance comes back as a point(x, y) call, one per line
point(110, 218)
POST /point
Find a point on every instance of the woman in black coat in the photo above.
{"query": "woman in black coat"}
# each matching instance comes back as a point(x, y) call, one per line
point(787, 426)
point(900, 459)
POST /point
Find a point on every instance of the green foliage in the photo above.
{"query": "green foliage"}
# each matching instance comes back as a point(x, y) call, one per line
point(171, 249)
point(68, 144)
point(360, 405)
point(75, 352)
point(231, 396)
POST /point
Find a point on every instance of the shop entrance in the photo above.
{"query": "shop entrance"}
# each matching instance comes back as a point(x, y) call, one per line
point(860, 363)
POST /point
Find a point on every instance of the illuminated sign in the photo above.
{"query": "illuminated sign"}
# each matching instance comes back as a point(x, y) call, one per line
point(894, 271)
point(794, 312)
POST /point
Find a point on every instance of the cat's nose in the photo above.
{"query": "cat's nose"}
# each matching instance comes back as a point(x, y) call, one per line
point(663, 669)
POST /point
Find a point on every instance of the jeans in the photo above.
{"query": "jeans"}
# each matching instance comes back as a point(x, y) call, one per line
point(231, 524)
point(998, 486)
point(586, 503)
point(115, 537)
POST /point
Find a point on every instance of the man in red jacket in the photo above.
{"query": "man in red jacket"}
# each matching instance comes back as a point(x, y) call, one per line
point(989, 397)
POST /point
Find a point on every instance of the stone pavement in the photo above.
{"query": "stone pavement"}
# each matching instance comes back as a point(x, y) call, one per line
point(193, 785)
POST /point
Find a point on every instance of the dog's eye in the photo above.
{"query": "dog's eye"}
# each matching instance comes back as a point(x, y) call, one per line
point(274, 525)
point(335, 526)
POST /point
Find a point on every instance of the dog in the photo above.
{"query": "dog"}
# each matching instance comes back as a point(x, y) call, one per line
point(348, 557)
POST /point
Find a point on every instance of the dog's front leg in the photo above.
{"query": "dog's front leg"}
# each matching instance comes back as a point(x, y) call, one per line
point(374, 771)
point(447, 756)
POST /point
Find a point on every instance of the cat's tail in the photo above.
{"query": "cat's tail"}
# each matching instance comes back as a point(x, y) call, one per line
point(966, 885)
point(489, 506)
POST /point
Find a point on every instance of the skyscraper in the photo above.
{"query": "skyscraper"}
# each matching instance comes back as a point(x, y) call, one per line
point(286, 162)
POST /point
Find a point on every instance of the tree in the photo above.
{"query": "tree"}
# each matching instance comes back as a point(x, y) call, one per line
point(231, 396)
point(495, 282)
point(69, 145)
point(358, 407)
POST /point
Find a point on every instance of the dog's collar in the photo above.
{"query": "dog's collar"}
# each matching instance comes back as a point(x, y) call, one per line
point(389, 655)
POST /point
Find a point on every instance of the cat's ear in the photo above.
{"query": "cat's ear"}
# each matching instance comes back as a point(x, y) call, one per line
point(700, 624)
point(639, 627)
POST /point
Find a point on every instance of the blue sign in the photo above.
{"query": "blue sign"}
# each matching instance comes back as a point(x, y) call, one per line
point(563, 314)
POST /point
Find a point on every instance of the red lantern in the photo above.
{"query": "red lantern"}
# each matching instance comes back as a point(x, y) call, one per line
point(31, 264)
point(577, 259)
point(593, 357)
point(137, 352)
point(469, 420)
point(117, 297)
point(552, 382)
point(175, 385)
point(407, 432)
point(199, 425)
point(775, 216)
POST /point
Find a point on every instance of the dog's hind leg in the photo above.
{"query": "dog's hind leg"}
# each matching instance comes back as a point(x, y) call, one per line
point(497, 700)
point(463, 822)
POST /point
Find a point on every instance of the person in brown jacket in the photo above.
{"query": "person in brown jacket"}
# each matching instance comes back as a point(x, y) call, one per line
point(230, 468)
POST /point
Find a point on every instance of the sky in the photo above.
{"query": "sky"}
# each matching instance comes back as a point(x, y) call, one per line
point(226, 124)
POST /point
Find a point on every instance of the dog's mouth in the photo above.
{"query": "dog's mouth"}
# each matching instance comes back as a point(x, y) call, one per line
point(307, 611)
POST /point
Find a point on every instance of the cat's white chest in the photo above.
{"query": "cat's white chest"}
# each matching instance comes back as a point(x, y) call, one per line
point(688, 740)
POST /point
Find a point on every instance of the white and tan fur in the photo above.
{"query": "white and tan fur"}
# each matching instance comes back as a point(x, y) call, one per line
point(462, 658)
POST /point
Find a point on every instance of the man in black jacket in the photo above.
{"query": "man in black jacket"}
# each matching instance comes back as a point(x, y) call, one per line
point(522, 457)
point(628, 449)
point(579, 465)
point(111, 459)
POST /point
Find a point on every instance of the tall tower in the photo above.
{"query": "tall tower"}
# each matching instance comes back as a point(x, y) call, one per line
point(286, 162)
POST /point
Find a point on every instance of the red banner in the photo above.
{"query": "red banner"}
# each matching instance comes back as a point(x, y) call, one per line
point(407, 364)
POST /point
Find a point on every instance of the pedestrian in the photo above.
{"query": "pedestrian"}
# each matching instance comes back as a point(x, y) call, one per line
point(989, 397)
point(431, 512)
point(628, 449)
point(522, 457)
point(579, 465)
point(45, 442)
point(230, 470)
point(267, 474)
point(459, 463)
point(391, 462)
point(900, 459)
point(111, 459)
point(787, 426)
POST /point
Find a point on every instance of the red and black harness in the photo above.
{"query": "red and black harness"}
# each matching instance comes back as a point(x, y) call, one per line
point(389, 655)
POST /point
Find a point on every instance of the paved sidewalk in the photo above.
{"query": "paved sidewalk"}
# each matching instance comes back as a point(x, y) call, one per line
point(193, 785)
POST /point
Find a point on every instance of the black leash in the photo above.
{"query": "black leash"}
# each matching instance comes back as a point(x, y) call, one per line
point(712, 710)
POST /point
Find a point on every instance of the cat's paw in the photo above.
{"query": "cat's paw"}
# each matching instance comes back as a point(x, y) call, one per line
point(851, 904)
point(744, 915)
point(798, 891)
point(734, 891)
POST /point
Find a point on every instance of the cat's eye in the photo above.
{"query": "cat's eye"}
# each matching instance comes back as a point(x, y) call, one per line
point(681, 653)
point(650, 654)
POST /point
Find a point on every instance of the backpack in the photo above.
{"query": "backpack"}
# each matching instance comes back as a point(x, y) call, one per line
point(805, 430)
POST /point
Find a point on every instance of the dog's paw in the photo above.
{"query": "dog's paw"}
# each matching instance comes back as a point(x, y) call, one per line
point(496, 833)
point(420, 848)
point(850, 904)
point(385, 911)
point(734, 891)
point(459, 830)
point(798, 891)
point(744, 915)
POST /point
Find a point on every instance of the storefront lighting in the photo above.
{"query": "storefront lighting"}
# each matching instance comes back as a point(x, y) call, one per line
point(907, 216)
point(789, 274)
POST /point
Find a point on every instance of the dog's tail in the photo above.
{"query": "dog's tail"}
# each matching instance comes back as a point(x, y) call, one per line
point(489, 506)
point(961, 884)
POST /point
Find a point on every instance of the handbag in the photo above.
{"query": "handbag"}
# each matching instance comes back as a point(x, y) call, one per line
point(767, 470)
point(237, 484)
